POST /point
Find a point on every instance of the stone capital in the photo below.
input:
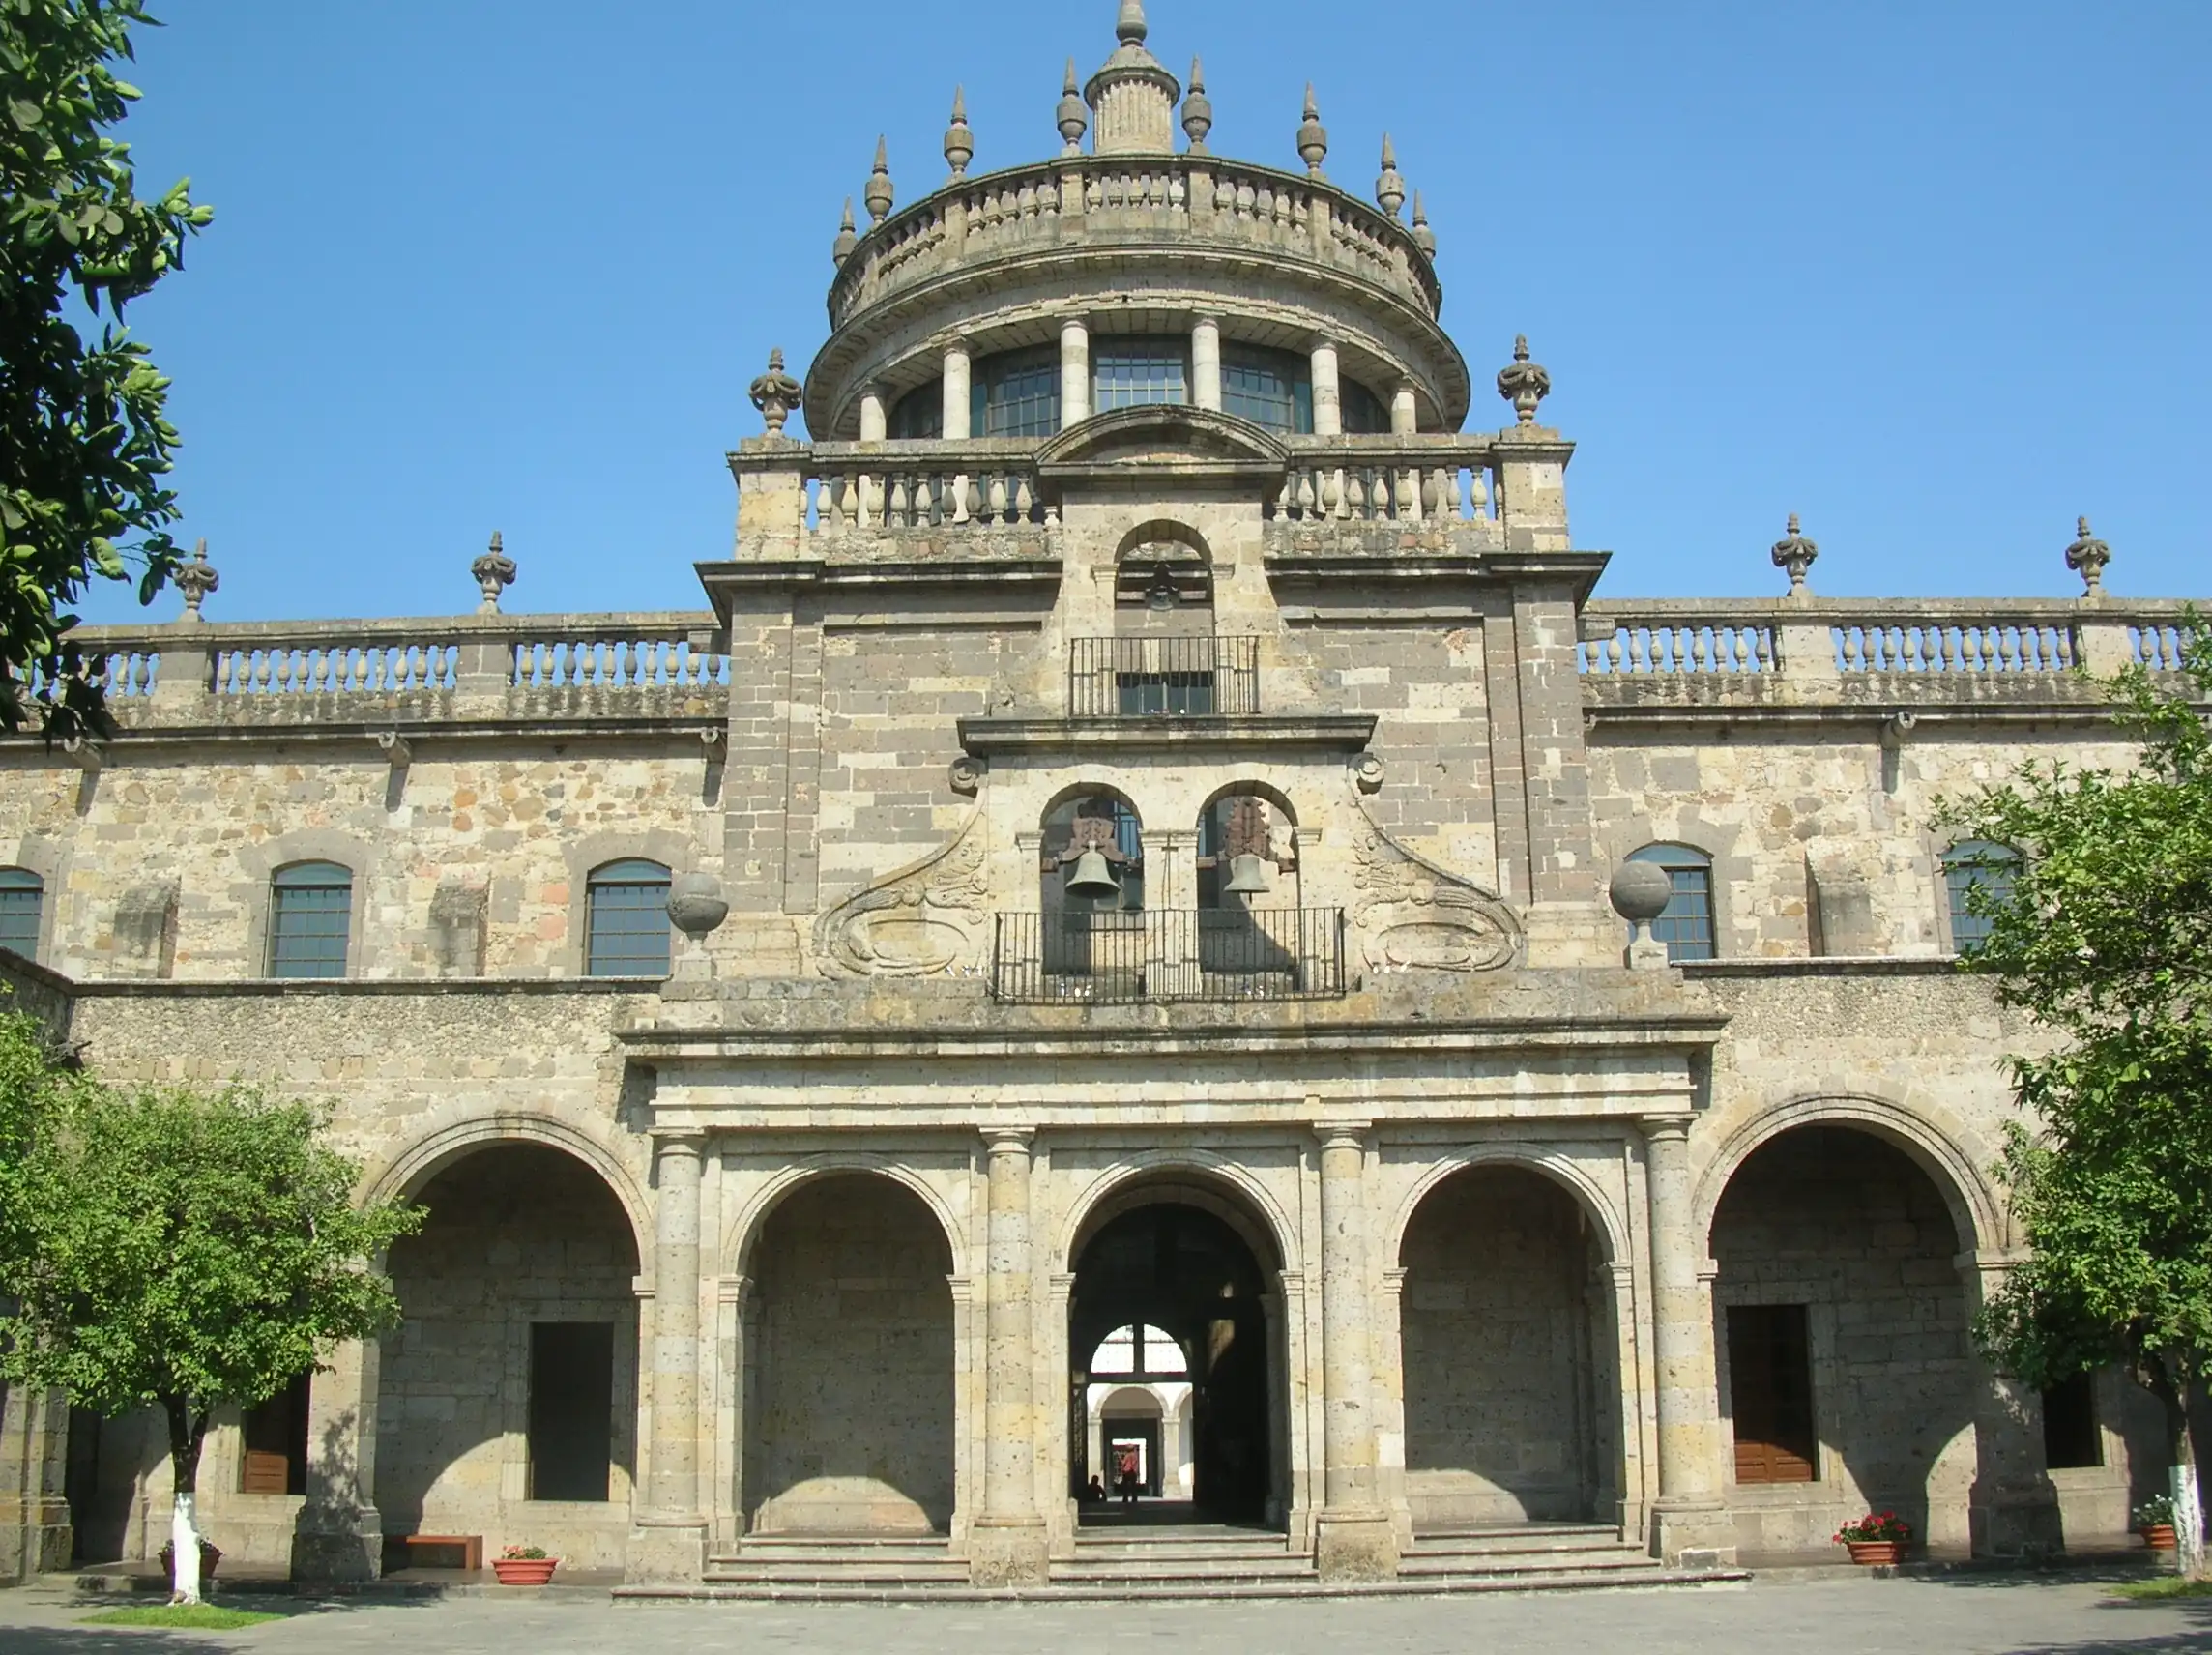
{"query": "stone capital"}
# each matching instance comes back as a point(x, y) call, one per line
point(1663, 1127)
point(1009, 1140)
point(1344, 1134)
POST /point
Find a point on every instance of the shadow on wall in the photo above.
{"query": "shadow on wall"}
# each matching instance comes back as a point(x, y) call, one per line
point(1847, 1374)
point(849, 1359)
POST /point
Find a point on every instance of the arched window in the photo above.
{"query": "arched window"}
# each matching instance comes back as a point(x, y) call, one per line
point(1016, 393)
point(1243, 825)
point(920, 415)
point(1686, 926)
point(1135, 370)
point(1273, 389)
point(625, 933)
point(1139, 1352)
point(21, 894)
point(1974, 864)
point(1102, 822)
point(310, 913)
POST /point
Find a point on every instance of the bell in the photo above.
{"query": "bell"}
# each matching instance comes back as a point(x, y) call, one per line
point(1092, 877)
point(1248, 876)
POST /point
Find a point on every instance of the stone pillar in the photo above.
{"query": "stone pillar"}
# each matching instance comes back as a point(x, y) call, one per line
point(1277, 1509)
point(1405, 410)
point(1008, 1545)
point(956, 382)
point(1074, 372)
point(1353, 1540)
point(340, 1536)
point(1328, 393)
point(668, 1546)
point(35, 1533)
point(2012, 1511)
point(1206, 362)
point(875, 417)
point(1689, 1524)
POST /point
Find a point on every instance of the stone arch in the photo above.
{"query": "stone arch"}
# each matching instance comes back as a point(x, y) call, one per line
point(1568, 1175)
point(1209, 1182)
point(402, 1175)
point(743, 1231)
point(1977, 1216)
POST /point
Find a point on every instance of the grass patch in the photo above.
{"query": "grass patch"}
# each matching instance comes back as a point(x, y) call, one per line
point(2168, 1587)
point(196, 1617)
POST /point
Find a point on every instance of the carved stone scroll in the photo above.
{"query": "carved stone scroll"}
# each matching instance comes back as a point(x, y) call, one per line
point(1413, 915)
point(931, 918)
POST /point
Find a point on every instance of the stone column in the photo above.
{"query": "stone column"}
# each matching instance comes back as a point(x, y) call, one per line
point(956, 382)
point(1353, 1540)
point(1008, 1545)
point(34, 1511)
point(1328, 393)
point(340, 1536)
point(1405, 410)
point(2012, 1511)
point(668, 1546)
point(1689, 1524)
point(1074, 372)
point(1206, 362)
point(875, 417)
point(1278, 1505)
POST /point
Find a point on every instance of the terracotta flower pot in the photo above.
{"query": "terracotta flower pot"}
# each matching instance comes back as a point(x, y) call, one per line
point(210, 1556)
point(523, 1571)
point(1873, 1553)
point(2159, 1537)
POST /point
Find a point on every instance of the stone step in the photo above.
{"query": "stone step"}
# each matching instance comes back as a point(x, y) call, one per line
point(1505, 1544)
point(1622, 1562)
point(1281, 1565)
point(1188, 1591)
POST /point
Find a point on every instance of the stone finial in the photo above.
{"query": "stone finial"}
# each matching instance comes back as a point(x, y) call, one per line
point(878, 194)
point(775, 394)
point(959, 141)
point(1130, 28)
point(1074, 115)
point(847, 240)
point(1524, 384)
point(2087, 557)
point(1390, 188)
point(494, 573)
point(1197, 109)
point(1424, 238)
point(1313, 136)
point(196, 580)
point(1640, 894)
point(1796, 553)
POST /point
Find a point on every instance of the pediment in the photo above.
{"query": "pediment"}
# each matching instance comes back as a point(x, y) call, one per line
point(1164, 436)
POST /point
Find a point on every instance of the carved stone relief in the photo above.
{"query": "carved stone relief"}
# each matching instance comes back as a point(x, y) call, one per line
point(930, 918)
point(1413, 915)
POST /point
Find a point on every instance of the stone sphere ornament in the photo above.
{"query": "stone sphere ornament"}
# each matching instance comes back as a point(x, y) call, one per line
point(1641, 892)
point(696, 905)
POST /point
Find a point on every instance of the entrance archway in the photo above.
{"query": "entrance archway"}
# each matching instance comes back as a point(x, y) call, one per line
point(1170, 1294)
point(1511, 1359)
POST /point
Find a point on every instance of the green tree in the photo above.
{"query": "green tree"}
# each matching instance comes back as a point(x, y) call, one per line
point(2105, 938)
point(84, 445)
point(175, 1248)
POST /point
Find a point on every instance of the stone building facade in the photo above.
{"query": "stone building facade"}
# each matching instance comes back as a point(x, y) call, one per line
point(1169, 786)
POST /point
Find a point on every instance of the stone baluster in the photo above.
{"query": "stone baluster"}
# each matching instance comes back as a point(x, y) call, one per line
point(1007, 1545)
point(669, 1545)
point(1354, 1539)
point(1689, 1523)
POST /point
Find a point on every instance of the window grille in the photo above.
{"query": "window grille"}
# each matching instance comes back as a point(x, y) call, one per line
point(1273, 389)
point(1976, 863)
point(1017, 395)
point(1686, 925)
point(1135, 372)
point(626, 928)
point(23, 893)
point(310, 914)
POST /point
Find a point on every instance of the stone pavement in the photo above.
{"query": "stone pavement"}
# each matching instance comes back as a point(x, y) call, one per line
point(1959, 1616)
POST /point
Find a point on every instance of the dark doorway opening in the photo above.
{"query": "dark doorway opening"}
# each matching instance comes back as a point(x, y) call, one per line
point(275, 1461)
point(2071, 1438)
point(571, 1409)
point(1770, 1390)
point(1178, 1271)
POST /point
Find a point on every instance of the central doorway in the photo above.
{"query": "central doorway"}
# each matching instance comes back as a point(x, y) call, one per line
point(1171, 1368)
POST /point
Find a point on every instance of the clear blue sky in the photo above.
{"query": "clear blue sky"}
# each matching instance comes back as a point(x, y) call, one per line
point(1934, 275)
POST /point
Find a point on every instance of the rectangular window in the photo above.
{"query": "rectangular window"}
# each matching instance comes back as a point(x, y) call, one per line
point(571, 1409)
point(1273, 389)
point(1017, 395)
point(1770, 1391)
point(627, 934)
point(20, 895)
point(1686, 926)
point(308, 918)
point(1163, 694)
point(1132, 373)
point(275, 1461)
point(2071, 1440)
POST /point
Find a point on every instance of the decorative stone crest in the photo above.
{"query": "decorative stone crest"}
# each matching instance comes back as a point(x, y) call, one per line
point(1797, 554)
point(196, 580)
point(959, 140)
point(1197, 109)
point(1413, 915)
point(928, 919)
point(494, 573)
point(878, 194)
point(775, 394)
point(1524, 384)
point(2087, 557)
point(1313, 136)
point(1390, 188)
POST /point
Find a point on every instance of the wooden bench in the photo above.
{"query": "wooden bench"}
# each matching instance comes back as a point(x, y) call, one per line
point(470, 1547)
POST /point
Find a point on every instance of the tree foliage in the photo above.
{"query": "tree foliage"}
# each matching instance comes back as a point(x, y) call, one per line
point(2105, 938)
point(84, 442)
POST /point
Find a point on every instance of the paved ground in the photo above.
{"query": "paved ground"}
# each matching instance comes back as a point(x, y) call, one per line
point(1972, 1616)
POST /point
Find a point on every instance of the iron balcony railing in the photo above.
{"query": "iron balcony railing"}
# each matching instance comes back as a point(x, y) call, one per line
point(1162, 678)
point(1105, 957)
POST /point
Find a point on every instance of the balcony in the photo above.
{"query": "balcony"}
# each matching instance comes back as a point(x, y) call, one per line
point(1087, 957)
point(1162, 678)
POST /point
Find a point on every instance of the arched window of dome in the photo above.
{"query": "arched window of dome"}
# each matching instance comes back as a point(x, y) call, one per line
point(1272, 388)
point(1016, 393)
point(1970, 865)
point(310, 918)
point(22, 895)
point(1364, 414)
point(1686, 924)
point(627, 931)
point(920, 415)
point(1137, 370)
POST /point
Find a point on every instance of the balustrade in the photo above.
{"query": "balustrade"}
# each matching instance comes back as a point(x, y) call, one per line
point(1694, 647)
point(922, 485)
point(1955, 645)
point(335, 669)
point(1387, 480)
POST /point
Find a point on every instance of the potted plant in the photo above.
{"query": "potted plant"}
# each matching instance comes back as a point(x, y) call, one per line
point(524, 1566)
point(1877, 1538)
point(211, 1555)
point(2154, 1521)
